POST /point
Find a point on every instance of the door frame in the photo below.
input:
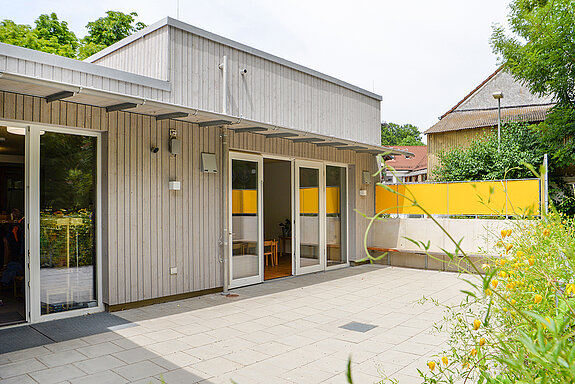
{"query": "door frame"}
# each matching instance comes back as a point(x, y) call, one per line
point(256, 158)
point(33, 221)
point(320, 166)
point(345, 215)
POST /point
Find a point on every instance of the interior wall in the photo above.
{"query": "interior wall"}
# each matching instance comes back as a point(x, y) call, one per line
point(277, 196)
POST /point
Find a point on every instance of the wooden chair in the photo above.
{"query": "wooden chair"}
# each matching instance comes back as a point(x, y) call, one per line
point(272, 253)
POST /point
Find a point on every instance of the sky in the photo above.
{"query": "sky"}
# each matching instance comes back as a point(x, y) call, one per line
point(422, 56)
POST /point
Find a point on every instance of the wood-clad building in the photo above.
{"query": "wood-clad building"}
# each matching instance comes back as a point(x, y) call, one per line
point(147, 166)
point(477, 113)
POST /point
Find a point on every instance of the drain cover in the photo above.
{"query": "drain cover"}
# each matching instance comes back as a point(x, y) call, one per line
point(358, 327)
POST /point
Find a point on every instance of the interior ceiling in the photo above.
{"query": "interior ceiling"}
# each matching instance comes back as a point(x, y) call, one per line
point(11, 144)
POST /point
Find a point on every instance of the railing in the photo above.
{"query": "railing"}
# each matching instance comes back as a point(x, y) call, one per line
point(473, 198)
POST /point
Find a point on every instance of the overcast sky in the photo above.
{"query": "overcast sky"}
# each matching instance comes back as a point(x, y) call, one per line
point(422, 56)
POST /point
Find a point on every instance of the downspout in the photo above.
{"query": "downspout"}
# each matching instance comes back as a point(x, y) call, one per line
point(225, 212)
point(225, 198)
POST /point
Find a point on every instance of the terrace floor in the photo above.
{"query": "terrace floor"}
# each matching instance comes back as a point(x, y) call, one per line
point(282, 331)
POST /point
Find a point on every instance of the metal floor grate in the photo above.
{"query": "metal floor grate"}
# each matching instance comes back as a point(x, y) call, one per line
point(358, 327)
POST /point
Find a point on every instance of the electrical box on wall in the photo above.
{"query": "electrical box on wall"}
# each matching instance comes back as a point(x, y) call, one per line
point(209, 163)
point(366, 177)
point(175, 146)
point(174, 185)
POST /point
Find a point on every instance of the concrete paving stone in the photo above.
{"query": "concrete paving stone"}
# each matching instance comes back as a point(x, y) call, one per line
point(99, 349)
point(307, 375)
point(397, 357)
point(135, 355)
point(167, 347)
point(207, 352)
point(61, 358)
point(273, 348)
point(198, 340)
point(139, 370)
point(57, 374)
point(358, 377)
point(216, 366)
point(20, 367)
point(234, 344)
point(26, 354)
point(246, 357)
point(164, 335)
point(192, 329)
point(66, 345)
point(413, 346)
point(104, 377)
point(376, 368)
point(133, 342)
point(185, 375)
point(99, 364)
point(175, 360)
point(101, 338)
point(22, 379)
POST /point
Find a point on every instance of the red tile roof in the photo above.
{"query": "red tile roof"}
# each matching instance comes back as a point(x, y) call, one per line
point(415, 163)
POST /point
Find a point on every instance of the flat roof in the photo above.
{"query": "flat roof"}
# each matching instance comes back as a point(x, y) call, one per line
point(168, 21)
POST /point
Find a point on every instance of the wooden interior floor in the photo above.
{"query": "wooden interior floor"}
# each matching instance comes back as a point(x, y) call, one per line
point(283, 268)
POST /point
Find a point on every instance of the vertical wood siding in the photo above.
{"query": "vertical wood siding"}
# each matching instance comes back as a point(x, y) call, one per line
point(149, 228)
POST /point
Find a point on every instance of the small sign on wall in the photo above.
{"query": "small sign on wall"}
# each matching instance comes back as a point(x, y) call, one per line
point(209, 163)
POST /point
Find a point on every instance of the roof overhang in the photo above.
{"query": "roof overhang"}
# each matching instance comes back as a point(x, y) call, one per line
point(161, 110)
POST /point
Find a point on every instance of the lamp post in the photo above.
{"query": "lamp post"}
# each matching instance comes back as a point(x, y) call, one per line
point(498, 95)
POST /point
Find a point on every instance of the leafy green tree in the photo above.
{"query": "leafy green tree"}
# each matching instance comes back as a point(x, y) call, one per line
point(50, 35)
point(540, 52)
point(53, 36)
point(482, 161)
point(108, 30)
point(395, 134)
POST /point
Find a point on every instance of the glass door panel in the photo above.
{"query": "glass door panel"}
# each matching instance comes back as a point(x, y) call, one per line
point(309, 215)
point(245, 220)
point(336, 201)
point(67, 194)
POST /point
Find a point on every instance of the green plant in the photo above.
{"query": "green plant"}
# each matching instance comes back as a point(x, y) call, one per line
point(516, 323)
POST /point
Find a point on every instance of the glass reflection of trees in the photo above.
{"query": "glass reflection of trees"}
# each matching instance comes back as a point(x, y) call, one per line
point(67, 199)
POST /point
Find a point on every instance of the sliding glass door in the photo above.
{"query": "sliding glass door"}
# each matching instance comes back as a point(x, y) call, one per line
point(245, 184)
point(336, 215)
point(309, 217)
point(63, 217)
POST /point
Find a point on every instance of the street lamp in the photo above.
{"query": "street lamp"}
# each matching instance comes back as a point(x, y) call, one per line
point(498, 95)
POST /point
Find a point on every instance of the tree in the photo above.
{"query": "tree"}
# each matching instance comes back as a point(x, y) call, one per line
point(53, 36)
point(108, 30)
point(400, 135)
point(540, 52)
point(50, 35)
point(482, 160)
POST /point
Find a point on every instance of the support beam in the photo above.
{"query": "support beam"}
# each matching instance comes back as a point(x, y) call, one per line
point(353, 147)
point(120, 107)
point(59, 96)
point(281, 134)
point(330, 144)
point(308, 140)
point(213, 123)
point(250, 129)
point(172, 115)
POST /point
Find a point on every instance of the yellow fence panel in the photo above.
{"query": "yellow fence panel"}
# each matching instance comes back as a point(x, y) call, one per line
point(426, 195)
point(511, 197)
point(525, 197)
point(386, 201)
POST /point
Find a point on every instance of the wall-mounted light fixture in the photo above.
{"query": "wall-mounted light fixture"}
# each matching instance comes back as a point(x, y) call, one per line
point(154, 149)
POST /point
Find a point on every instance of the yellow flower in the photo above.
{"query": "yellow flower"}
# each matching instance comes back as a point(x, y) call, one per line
point(546, 232)
point(473, 352)
point(503, 274)
point(509, 232)
point(444, 360)
point(502, 262)
point(508, 247)
point(465, 365)
point(570, 289)
point(485, 266)
point(488, 292)
point(510, 286)
point(531, 261)
point(513, 301)
point(503, 233)
point(530, 306)
point(476, 324)
point(519, 254)
point(431, 365)
point(494, 283)
point(482, 341)
point(537, 298)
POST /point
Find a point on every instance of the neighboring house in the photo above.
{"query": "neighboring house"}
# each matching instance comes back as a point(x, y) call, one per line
point(408, 169)
point(477, 112)
point(162, 167)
